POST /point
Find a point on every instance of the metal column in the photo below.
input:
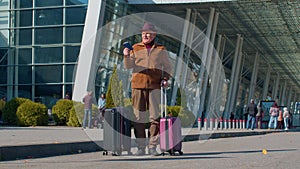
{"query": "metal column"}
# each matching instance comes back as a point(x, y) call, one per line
point(283, 94)
point(266, 83)
point(274, 96)
point(212, 100)
point(180, 57)
point(236, 64)
point(236, 78)
point(208, 65)
point(202, 69)
point(253, 77)
point(288, 102)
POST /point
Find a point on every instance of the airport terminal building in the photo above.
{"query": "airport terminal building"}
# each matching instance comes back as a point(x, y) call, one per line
point(220, 55)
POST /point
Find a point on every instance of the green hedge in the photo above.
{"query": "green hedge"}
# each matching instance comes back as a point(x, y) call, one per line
point(73, 119)
point(32, 114)
point(9, 112)
point(61, 110)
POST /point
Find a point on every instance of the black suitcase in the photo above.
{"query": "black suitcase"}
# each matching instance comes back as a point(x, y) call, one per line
point(116, 132)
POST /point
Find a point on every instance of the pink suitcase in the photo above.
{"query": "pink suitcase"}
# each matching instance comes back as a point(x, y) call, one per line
point(170, 130)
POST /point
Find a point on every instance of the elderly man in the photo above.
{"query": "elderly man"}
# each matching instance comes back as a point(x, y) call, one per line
point(151, 69)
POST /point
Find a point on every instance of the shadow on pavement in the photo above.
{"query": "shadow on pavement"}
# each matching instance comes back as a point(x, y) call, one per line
point(189, 156)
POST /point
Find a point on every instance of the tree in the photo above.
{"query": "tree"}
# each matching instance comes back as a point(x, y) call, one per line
point(114, 94)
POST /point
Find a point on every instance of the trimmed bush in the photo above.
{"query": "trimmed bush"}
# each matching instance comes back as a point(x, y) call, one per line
point(9, 112)
point(61, 110)
point(73, 119)
point(2, 105)
point(32, 114)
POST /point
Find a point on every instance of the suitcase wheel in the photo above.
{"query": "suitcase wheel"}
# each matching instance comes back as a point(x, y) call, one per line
point(171, 152)
point(105, 153)
point(117, 153)
point(180, 152)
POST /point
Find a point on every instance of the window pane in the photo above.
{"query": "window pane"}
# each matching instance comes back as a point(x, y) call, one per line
point(48, 55)
point(48, 74)
point(69, 73)
point(49, 17)
point(3, 66)
point(49, 94)
point(75, 15)
point(3, 91)
point(25, 37)
point(3, 77)
point(72, 53)
point(42, 3)
point(48, 35)
point(25, 76)
point(4, 20)
point(25, 18)
point(76, 2)
point(25, 56)
point(23, 4)
point(4, 39)
point(25, 91)
point(69, 89)
point(74, 34)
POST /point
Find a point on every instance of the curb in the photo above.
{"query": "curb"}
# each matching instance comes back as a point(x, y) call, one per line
point(9, 153)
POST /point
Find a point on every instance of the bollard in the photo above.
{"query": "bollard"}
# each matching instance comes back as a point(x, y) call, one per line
point(211, 123)
point(233, 124)
point(221, 123)
point(241, 124)
point(244, 121)
point(225, 123)
point(216, 124)
point(236, 123)
point(205, 123)
point(199, 123)
point(229, 124)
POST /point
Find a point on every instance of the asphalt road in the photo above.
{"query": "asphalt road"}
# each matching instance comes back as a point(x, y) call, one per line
point(275, 150)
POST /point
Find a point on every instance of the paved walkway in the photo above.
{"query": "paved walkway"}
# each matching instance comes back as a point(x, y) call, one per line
point(35, 142)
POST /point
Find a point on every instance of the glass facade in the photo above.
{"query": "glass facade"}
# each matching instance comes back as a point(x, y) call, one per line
point(39, 45)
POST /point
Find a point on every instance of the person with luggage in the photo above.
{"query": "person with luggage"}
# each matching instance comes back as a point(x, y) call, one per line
point(151, 68)
point(101, 108)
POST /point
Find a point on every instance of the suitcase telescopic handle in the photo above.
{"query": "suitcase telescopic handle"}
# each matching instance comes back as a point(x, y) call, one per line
point(163, 98)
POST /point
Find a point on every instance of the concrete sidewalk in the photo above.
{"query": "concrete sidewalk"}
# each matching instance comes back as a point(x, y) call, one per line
point(35, 142)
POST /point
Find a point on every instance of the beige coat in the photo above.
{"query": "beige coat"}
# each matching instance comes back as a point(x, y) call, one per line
point(149, 68)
